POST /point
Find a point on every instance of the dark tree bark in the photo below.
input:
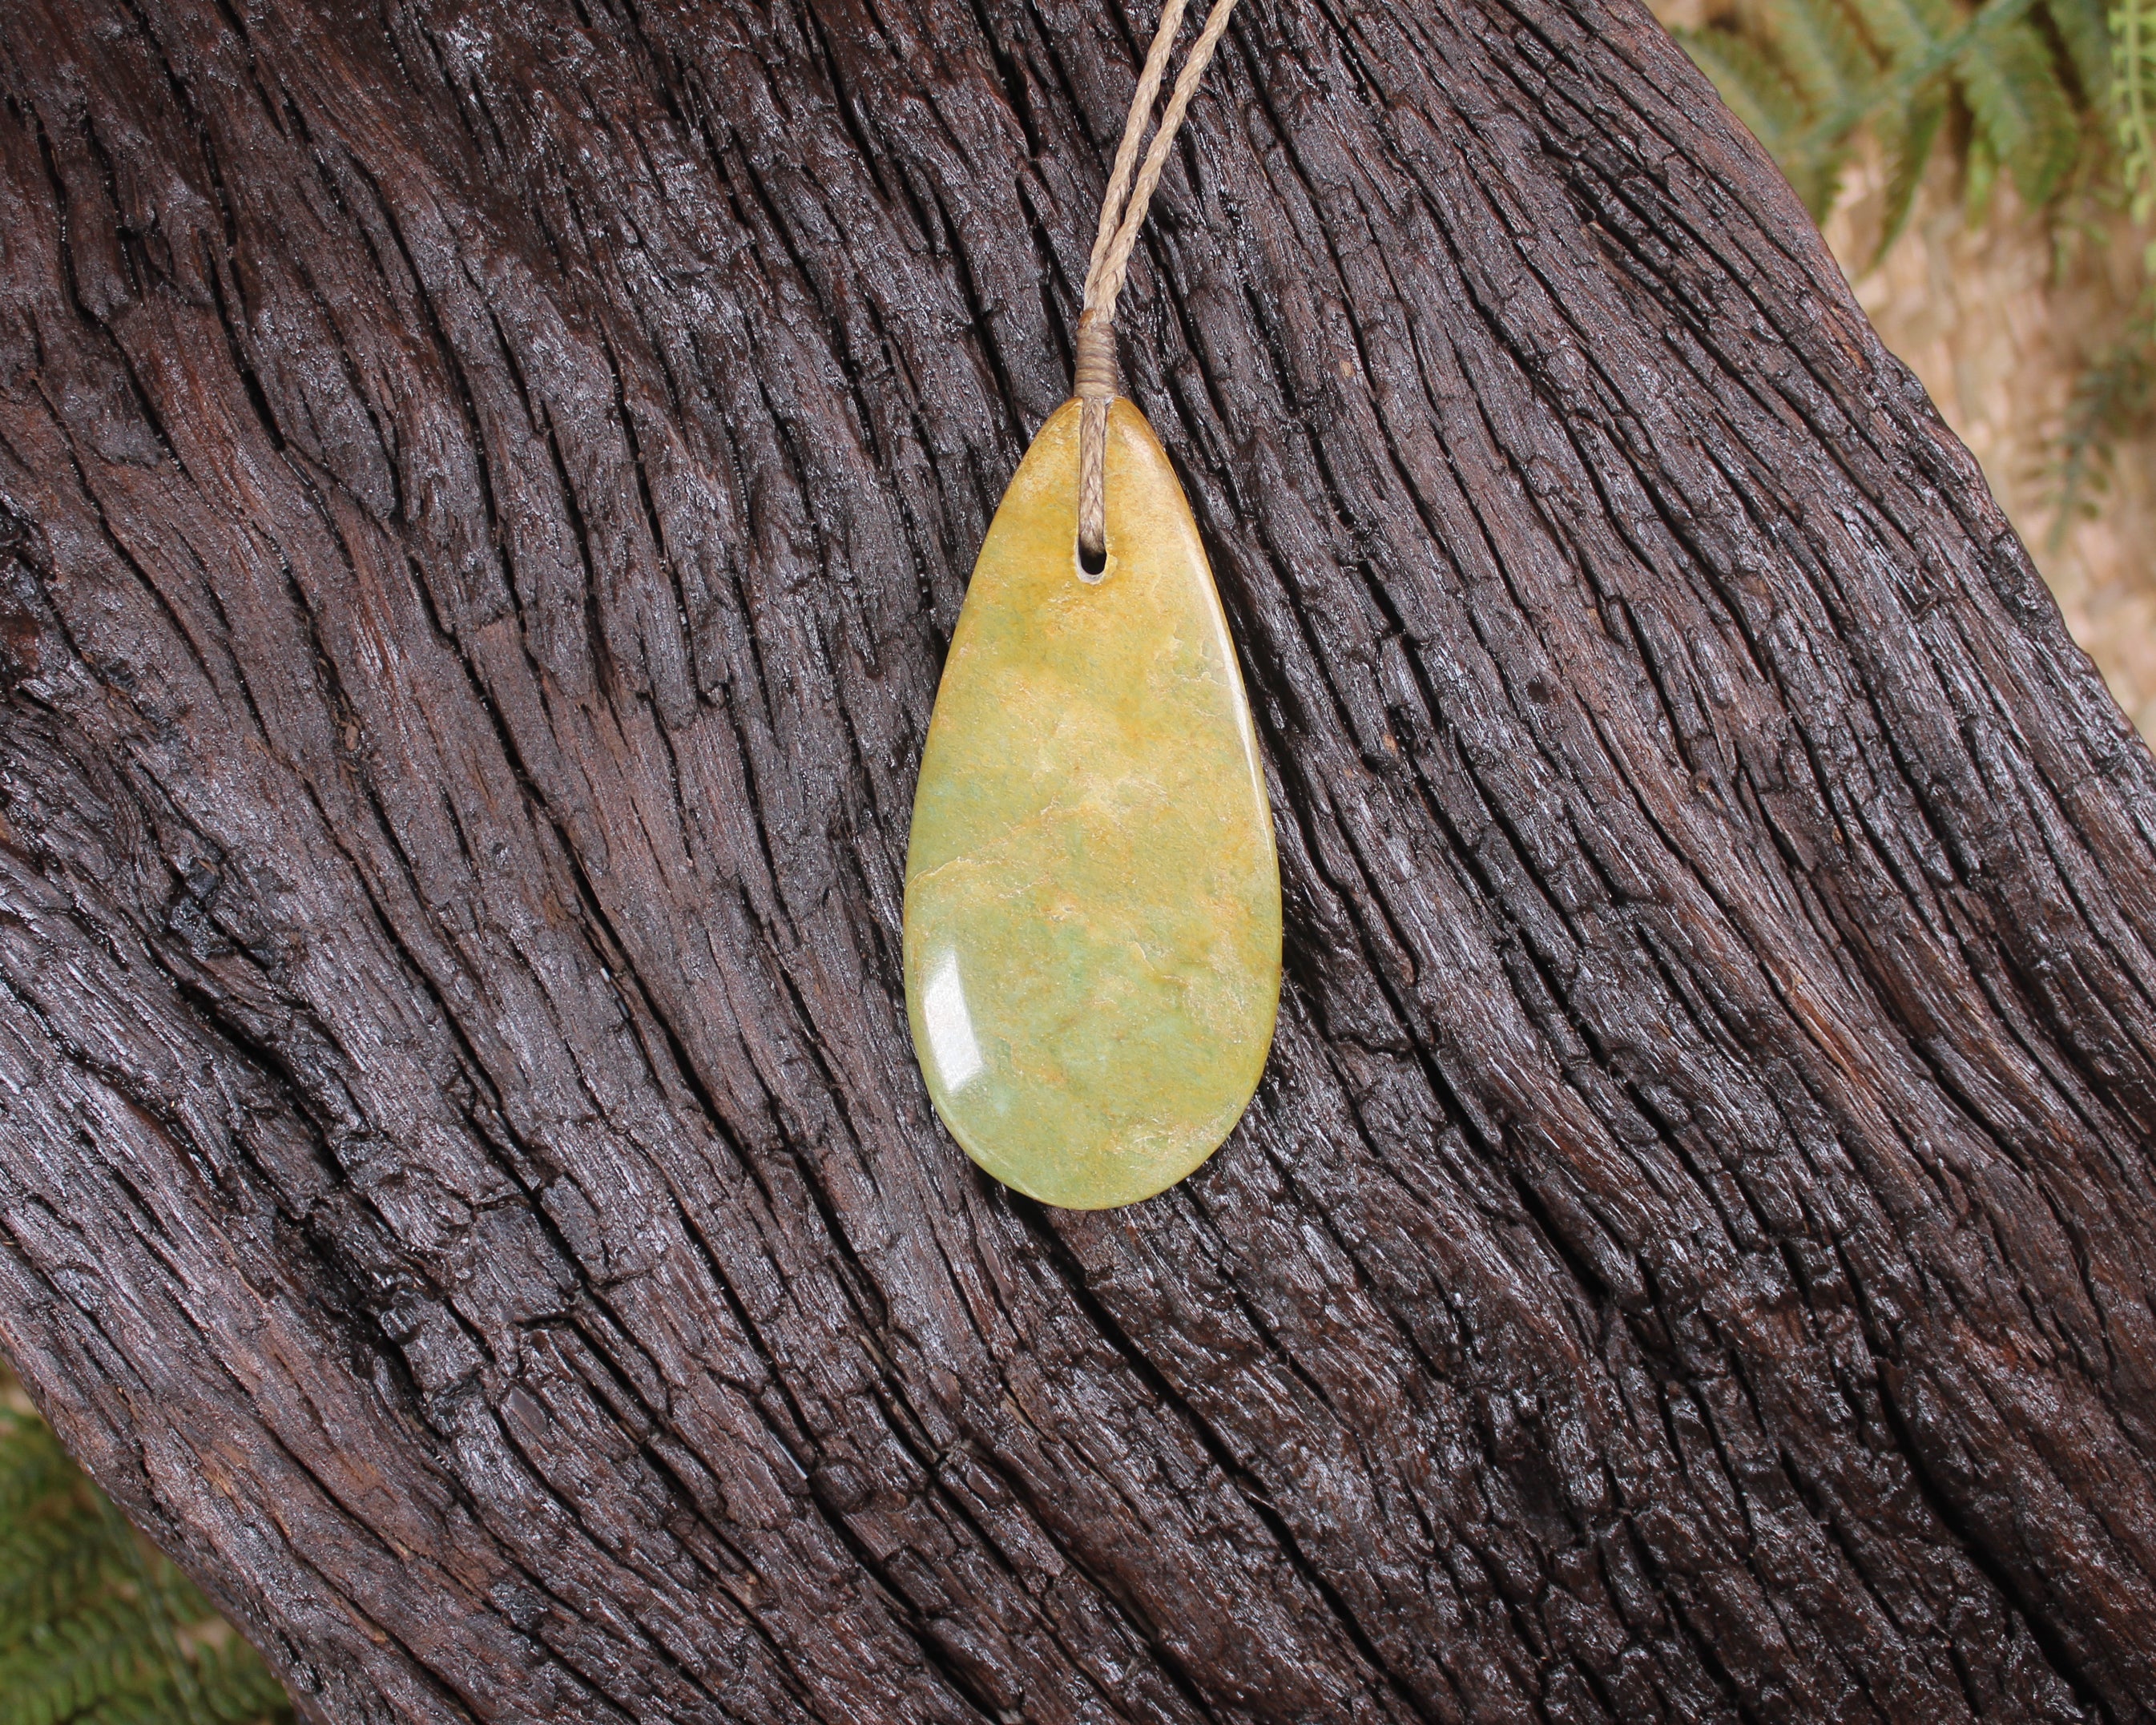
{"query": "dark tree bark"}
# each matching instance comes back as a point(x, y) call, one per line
point(484, 498)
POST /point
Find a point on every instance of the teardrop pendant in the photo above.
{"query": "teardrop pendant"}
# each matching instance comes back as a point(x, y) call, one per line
point(1092, 899)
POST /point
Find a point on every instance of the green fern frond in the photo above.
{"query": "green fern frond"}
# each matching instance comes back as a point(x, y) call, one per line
point(1908, 33)
point(97, 1627)
point(50, 1565)
point(2133, 100)
point(78, 1663)
point(2114, 399)
point(230, 1688)
point(1909, 141)
point(2010, 80)
point(1808, 75)
point(1752, 84)
point(2084, 29)
point(1816, 46)
point(1979, 178)
point(34, 1468)
point(237, 1687)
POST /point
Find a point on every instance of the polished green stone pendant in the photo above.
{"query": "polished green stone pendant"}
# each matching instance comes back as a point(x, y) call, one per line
point(1092, 900)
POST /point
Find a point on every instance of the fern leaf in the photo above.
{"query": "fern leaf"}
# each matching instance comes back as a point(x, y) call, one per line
point(2011, 83)
point(1816, 49)
point(149, 1697)
point(2086, 32)
point(154, 1706)
point(237, 1688)
point(94, 1623)
point(1806, 74)
point(1750, 83)
point(1771, 108)
point(49, 1566)
point(1908, 150)
point(33, 1467)
point(2113, 400)
point(1908, 33)
point(2133, 99)
point(1980, 178)
point(77, 1664)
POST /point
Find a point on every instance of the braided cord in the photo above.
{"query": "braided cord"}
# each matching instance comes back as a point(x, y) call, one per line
point(1122, 215)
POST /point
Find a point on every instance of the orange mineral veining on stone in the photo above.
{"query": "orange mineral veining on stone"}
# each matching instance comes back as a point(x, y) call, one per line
point(1092, 900)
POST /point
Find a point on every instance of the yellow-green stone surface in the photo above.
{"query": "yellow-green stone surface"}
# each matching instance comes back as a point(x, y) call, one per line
point(1092, 902)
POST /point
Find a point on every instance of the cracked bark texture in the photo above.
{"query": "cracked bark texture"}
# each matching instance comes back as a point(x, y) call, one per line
point(487, 489)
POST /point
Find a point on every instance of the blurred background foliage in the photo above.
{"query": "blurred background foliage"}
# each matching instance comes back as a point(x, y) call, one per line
point(97, 1627)
point(1986, 173)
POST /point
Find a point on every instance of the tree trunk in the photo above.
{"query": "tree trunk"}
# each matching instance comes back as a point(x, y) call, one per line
point(484, 498)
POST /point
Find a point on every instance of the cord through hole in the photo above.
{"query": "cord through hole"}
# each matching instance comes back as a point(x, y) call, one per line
point(1092, 563)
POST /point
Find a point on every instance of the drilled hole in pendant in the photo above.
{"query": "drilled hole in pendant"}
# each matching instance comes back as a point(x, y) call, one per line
point(1092, 565)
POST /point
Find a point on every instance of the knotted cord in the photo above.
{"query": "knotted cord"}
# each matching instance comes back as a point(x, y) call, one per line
point(1122, 214)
